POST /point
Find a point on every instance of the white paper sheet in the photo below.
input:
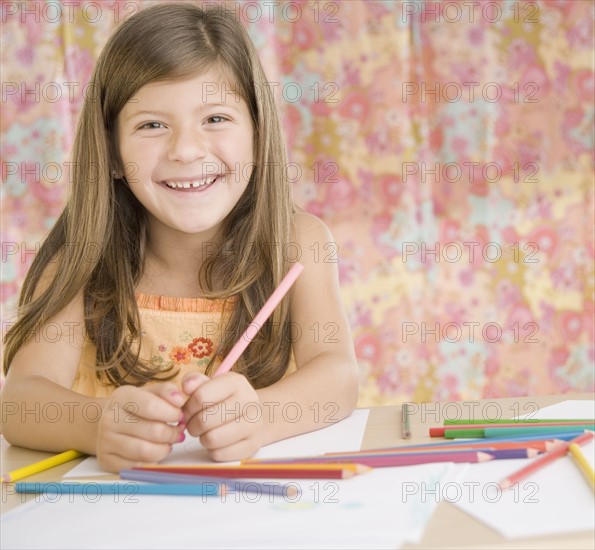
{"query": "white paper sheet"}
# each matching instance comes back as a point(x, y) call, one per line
point(384, 508)
point(577, 408)
point(554, 500)
point(346, 435)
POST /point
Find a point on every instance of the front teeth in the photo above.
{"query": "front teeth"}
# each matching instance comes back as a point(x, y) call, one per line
point(189, 184)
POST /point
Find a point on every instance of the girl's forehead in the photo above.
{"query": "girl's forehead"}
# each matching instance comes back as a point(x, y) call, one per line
point(203, 79)
point(211, 84)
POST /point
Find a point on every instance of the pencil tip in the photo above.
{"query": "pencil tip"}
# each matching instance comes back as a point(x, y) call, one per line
point(484, 457)
point(291, 491)
point(505, 484)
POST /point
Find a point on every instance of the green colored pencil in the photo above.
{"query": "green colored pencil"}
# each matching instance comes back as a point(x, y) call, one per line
point(471, 433)
point(475, 433)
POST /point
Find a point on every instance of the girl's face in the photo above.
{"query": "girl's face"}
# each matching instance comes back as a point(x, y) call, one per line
point(187, 149)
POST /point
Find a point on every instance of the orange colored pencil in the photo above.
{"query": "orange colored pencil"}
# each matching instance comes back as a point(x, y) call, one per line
point(270, 471)
point(544, 460)
point(385, 460)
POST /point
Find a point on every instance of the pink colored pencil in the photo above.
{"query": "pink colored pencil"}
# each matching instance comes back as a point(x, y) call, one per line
point(540, 446)
point(260, 319)
point(544, 460)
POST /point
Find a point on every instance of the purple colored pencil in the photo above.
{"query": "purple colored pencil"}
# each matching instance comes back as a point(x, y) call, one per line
point(387, 460)
point(367, 459)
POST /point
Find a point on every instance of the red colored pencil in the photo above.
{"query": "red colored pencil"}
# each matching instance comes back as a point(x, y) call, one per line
point(544, 460)
point(439, 431)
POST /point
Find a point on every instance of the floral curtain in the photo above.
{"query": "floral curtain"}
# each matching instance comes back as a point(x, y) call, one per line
point(447, 145)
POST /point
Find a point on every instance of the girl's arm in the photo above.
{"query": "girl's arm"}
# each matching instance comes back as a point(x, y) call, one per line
point(324, 389)
point(39, 409)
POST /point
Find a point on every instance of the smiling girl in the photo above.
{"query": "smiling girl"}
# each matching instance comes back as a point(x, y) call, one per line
point(175, 233)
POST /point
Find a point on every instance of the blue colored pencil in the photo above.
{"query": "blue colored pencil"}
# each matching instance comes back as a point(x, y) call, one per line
point(231, 485)
point(93, 489)
point(544, 431)
point(566, 436)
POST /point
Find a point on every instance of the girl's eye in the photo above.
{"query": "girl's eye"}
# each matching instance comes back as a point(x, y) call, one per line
point(217, 119)
point(150, 126)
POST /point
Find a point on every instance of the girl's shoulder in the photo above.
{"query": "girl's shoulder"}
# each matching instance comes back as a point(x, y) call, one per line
point(308, 228)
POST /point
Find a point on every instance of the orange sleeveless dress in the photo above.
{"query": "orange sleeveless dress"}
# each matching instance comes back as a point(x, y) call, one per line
point(179, 332)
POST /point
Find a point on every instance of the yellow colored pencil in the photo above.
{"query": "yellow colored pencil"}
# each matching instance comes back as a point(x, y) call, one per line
point(40, 466)
point(583, 464)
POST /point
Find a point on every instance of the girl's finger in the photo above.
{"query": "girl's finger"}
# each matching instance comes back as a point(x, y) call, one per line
point(226, 434)
point(215, 391)
point(192, 380)
point(148, 404)
point(136, 450)
point(152, 431)
point(240, 450)
point(168, 391)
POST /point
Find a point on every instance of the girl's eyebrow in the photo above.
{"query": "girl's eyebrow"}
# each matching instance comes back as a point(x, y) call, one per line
point(161, 113)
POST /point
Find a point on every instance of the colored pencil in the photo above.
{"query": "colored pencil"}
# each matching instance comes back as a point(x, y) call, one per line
point(495, 453)
point(537, 430)
point(467, 421)
point(120, 489)
point(260, 319)
point(583, 464)
point(507, 433)
point(544, 460)
point(439, 431)
point(566, 436)
point(231, 485)
point(40, 466)
point(482, 444)
point(362, 458)
point(389, 460)
point(264, 471)
point(405, 422)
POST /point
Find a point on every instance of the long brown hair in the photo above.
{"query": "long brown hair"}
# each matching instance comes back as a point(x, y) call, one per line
point(165, 42)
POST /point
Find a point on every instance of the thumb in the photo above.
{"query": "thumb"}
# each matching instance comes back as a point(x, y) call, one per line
point(193, 380)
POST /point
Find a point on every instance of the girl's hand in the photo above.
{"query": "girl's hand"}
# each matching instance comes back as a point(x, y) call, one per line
point(225, 414)
point(136, 425)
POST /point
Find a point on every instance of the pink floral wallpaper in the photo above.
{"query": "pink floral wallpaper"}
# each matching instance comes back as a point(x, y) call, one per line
point(448, 146)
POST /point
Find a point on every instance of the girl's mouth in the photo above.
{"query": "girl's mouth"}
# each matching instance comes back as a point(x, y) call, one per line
point(192, 186)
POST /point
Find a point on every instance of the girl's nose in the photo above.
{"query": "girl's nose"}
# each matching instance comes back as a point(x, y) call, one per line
point(187, 145)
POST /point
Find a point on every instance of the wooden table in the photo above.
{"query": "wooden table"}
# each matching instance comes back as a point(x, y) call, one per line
point(449, 526)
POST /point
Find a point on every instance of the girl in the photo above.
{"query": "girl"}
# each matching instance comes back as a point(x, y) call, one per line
point(176, 231)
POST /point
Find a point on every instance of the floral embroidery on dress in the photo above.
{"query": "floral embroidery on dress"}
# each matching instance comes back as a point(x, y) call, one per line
point(201, 347)
point(197, 352)
point(179, 355)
